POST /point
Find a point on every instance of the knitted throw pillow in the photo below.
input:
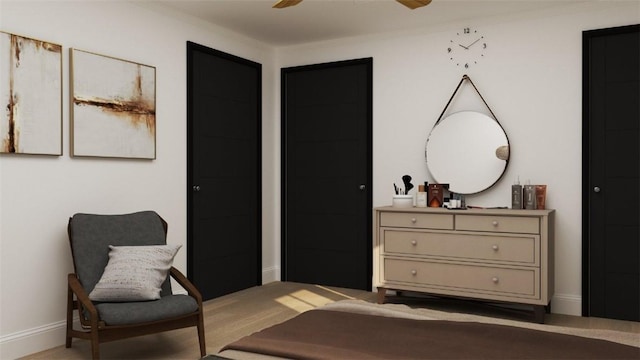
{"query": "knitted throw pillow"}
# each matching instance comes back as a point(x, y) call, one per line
point(134, 273)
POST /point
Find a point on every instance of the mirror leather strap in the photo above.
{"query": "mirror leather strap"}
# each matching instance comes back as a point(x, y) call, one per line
point(466, 77)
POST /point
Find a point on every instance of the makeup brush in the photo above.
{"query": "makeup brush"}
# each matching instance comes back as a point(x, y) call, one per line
point(407, 183)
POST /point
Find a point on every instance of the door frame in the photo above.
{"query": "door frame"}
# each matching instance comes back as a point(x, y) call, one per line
point(587, 36)
point(192, 47)
point(284, 72)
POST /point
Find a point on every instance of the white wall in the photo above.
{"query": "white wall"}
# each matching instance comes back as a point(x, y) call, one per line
point(531, 77)
point(39, 193)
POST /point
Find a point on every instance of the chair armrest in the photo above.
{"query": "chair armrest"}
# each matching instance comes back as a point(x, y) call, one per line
point(186, 284)
point(81, 295)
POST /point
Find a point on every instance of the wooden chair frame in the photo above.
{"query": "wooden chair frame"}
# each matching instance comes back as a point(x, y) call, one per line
point(99, 332)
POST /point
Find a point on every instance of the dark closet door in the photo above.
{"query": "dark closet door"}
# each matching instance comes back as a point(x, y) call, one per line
point(224, 171)
point(611, 286)
point(326, 177)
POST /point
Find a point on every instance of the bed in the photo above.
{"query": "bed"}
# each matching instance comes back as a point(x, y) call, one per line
point(355, 329)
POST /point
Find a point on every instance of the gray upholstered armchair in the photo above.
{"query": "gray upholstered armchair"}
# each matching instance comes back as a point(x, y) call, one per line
point(92, 237)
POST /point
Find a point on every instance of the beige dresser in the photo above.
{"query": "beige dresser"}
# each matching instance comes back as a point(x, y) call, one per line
point(498, 255)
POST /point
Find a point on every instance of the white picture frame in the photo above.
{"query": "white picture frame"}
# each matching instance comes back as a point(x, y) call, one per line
point(113, 105)
point(31, 96)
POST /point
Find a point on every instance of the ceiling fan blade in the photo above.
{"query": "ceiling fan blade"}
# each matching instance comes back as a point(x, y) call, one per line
point(286, 3)
point(414, 4)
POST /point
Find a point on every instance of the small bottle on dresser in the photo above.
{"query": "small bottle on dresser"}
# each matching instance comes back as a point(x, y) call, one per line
point(529, 196)
point(421, 197)
point(516, 195)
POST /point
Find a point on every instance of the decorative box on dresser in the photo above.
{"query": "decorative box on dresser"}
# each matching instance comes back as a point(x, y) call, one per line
point(499, 255)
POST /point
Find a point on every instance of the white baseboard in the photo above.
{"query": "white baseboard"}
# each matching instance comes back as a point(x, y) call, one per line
point(33, 340)
point(270, 274)
point(567, 304)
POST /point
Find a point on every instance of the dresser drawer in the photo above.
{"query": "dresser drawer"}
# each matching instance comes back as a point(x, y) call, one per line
point(508, 249)
point(506, 281)
point(416, 220)
point(510, 224)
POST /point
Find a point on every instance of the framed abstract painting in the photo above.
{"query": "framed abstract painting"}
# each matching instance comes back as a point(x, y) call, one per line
point(113, 107)
point(31, 95)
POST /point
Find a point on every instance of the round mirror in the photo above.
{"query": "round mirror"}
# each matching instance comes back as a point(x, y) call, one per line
point(467, 150)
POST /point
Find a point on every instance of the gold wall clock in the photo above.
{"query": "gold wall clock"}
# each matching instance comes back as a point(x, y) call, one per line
point(466, 48)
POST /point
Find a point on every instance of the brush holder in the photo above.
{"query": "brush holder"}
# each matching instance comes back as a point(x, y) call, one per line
point(402, 201)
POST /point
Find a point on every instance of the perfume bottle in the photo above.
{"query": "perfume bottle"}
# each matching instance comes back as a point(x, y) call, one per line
point(541, 195)
point(421, 197)
point(529, 196)
point(516, 195)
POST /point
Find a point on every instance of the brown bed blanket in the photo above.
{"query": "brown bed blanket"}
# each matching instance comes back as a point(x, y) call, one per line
point(327, 334)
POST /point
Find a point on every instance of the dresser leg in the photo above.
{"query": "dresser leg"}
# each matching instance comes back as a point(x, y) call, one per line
point(539, 312)
point(381, 294)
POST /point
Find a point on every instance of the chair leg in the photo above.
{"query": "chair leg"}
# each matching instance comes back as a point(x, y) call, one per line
point(203, 346)
point(95, 346)
point(95, 340)
point(69, 318)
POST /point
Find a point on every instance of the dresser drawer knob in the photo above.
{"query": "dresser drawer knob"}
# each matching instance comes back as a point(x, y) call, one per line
point(413, 220)
point(414, 272)
point(414, 243)
point(495, 223)
point(495, 247)
point(495, 279)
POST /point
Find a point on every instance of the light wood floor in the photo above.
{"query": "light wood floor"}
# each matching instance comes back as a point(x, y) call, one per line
point(233, 316)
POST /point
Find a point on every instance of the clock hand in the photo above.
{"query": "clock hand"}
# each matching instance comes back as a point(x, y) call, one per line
point(464, 46)
point(468, 46)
